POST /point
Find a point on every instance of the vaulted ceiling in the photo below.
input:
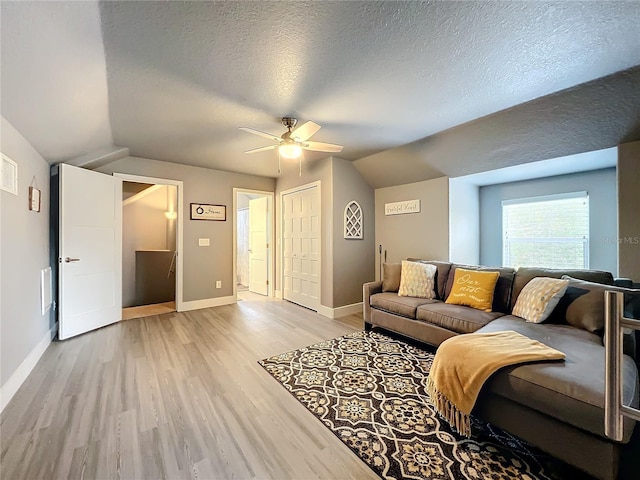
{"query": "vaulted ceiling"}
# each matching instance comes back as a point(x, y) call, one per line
point(388, 80)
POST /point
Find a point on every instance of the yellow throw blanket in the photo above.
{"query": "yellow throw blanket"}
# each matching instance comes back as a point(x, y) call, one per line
point(462, 364)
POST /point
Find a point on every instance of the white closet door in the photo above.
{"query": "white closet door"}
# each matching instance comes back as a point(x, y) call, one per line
point(301, 252)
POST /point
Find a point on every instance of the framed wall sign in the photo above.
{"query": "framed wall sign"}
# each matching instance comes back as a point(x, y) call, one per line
point(34, 199)
point(205, 211)
point(401, 208)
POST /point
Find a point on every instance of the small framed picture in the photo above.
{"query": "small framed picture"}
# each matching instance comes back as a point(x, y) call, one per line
point(34, 199)
point(205, 211)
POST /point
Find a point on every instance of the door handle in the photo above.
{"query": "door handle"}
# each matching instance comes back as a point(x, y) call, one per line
point(69, 260)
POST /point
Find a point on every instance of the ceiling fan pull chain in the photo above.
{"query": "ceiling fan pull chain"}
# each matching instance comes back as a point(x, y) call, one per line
point(279, 159)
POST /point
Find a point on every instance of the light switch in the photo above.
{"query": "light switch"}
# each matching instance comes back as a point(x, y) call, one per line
point(203, 242)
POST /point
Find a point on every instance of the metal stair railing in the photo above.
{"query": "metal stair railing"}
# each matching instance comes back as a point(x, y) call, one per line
point(615, 322)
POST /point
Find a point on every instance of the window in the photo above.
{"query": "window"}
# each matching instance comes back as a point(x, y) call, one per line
point(550, 231)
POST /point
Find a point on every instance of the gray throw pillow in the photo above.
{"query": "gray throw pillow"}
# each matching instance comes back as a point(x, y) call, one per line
point(584, 303)
point(391, 277)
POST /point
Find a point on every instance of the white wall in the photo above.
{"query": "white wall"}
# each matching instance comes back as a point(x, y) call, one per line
point(422, 235)
point(24, 251)
point(464, 222)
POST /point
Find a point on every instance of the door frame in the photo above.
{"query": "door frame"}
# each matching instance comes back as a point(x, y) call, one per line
point(272, 251)
point(299, 188)
point(179, 225)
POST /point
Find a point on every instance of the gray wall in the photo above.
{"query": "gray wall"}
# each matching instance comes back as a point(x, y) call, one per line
point(24, 251)
point(345, 264)
point(422, 235)
point(353, 260)
point(203, 266)
point(603, 228)
point(319, 170)
point(628, 214)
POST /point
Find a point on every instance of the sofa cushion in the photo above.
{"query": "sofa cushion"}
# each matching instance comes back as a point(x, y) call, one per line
point(417, 280)
point(583, 304)
point(571, 391)
point(524, 274)
point(391, 302)
point(538, 298)
point(502, 293)
point(473, 289)
point(455, 317)
point(442, 274)
point(391, 277)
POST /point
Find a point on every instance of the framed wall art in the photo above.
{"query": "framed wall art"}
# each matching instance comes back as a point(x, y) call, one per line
point(206, 211)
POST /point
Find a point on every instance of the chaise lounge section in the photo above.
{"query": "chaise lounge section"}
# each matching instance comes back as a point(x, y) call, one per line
point(559, 406)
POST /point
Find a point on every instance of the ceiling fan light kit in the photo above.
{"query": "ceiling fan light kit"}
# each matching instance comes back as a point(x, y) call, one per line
point(291, 144)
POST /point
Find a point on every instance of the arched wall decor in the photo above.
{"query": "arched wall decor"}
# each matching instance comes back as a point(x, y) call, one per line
point(353, 221)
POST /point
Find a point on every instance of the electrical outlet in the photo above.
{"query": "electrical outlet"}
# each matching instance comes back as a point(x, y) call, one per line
point(219, 284)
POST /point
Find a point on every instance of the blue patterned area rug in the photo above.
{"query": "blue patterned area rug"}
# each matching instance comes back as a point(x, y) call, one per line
point(370, 391)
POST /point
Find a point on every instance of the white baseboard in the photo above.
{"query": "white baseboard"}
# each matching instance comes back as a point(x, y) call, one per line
point(206, 303)
point(340, 311)
point(277, 294)
point(12, 385)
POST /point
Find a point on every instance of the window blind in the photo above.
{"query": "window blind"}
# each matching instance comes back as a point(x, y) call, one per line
point(549, 231)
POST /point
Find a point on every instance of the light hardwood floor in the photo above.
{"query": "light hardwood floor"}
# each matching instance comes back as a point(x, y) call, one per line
point(175, 396)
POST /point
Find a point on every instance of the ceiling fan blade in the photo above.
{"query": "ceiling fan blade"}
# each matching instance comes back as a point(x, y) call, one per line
point(305, 131)
point(270, 136)
point(322, 147)
point(262, 149)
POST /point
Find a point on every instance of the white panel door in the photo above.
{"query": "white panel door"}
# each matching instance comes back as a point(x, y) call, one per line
point(90, 250)
point(258, 249)
point(301, 249)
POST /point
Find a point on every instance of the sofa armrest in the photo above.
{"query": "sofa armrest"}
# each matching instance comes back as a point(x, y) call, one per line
point(369, 289)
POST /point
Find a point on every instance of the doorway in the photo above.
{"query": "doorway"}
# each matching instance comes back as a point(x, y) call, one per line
point(151, 230)
point(253, 243)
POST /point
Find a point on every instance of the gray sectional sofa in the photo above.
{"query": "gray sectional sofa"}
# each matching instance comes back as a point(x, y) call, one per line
point(559, 406)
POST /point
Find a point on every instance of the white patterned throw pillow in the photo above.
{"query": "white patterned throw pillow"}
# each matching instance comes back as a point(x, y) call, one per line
point(417, 280)
point(538, 298)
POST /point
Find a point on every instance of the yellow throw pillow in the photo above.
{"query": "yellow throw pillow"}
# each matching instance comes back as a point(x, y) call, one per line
point(538, 298)
point(473, 288)
point(417, 280)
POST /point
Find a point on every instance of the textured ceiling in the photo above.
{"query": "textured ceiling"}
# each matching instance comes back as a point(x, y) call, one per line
point(182, 76)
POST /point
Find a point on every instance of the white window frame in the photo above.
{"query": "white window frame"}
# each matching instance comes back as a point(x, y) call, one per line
point(506, 261)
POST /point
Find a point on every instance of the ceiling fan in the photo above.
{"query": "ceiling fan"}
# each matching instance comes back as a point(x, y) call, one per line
point(292, 142)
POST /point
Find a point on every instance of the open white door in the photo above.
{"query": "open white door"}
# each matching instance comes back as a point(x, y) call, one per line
point(258, 248)
point(90, 250)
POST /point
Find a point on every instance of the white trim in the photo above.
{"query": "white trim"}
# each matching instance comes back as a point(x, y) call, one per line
point(207, 302)
point(306, 186)
point(277, 294)
point(18, 377)
point(545, 198)
point(180, 304)
point(271, 272)
point(340, 311)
